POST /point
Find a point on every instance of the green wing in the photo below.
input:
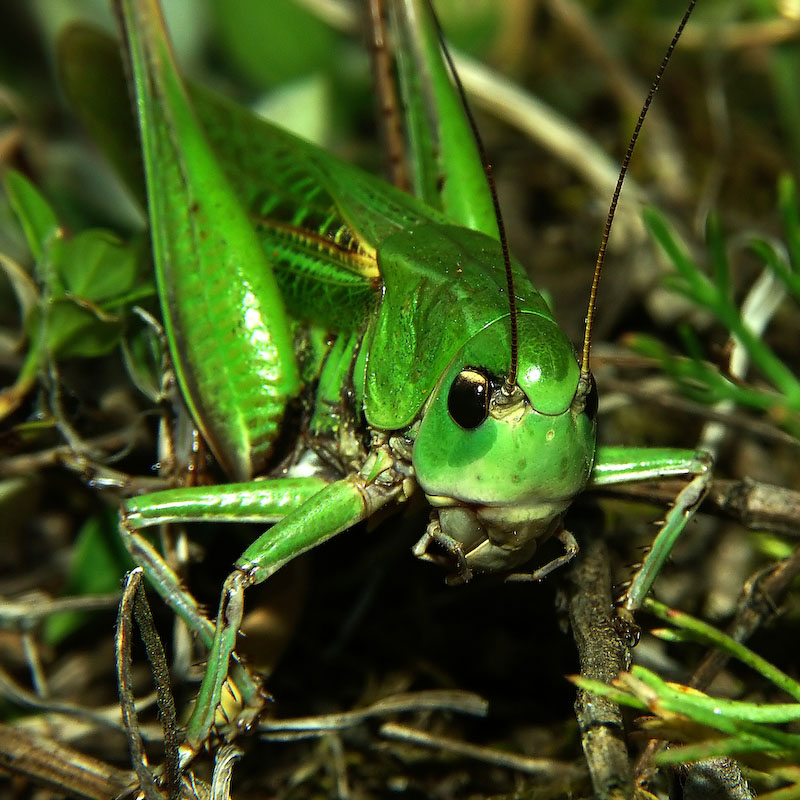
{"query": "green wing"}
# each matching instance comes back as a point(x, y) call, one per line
point(320, 219)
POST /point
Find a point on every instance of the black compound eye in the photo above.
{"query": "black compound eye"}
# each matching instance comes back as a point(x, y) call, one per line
point(590, 409)
point(468, 401)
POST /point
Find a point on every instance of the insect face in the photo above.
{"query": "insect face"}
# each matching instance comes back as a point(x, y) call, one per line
point(499, 465)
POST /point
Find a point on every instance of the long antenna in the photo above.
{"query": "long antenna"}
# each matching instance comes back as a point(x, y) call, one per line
point(511, 380)
point(601, 255)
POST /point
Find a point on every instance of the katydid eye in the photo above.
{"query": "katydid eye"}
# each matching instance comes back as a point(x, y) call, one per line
point(468, 401)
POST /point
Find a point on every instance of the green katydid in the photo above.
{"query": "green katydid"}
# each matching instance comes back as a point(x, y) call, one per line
point(261, 240)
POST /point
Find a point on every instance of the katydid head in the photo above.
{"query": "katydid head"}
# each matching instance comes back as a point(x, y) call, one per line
point(501, 464)
point(507, 437)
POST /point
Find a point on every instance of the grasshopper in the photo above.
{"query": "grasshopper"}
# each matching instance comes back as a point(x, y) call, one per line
point(479, 402)
point(419, 350)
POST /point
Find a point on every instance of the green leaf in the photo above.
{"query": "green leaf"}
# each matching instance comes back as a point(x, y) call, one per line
point(708, 634)
point(669, 241)
point(719, 258)
point(38, 220)
point(96, 265)
point(74, 330)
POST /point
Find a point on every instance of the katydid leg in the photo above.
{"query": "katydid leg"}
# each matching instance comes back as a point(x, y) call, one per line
point(570, 545)
point(259, 501)
point(615, 465)
point(454, 549)
point(623, 464)
point(334, 509)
